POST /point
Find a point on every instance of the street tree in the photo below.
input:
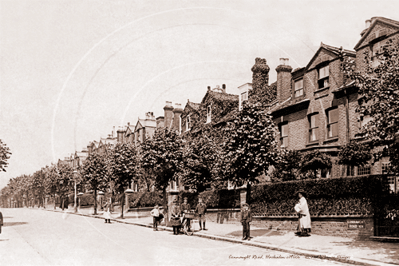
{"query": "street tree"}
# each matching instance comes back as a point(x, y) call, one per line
point(201, 154)
point(4, 156)
point(123, 165)
point(163, 154)
point(63, 174)
point(251, 147)
point(378, 89)
point(94, 174)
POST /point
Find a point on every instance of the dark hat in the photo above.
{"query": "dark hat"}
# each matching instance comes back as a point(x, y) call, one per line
point(185, 198)
point(302, 192)
point(174, 201)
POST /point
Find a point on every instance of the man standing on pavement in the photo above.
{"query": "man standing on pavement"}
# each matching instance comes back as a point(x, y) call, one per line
point(1, 221)
point(246, 218)
point(201, 210)
point(186, 208)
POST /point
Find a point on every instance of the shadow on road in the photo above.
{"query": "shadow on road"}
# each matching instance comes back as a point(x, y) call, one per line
point(14, 223)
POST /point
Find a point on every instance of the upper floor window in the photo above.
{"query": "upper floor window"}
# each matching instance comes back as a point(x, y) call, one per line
point(348, 170)
point(324, 80)
point(188, 121)
point(244, 96)
point(332, 123)
point(208, 114)
point(299, 88)
point(284, 135)
point(313, 127)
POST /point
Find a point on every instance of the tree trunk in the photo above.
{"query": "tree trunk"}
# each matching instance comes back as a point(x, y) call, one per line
point(248, 199)
point(122, 202)
point(62, 204)
point(95, 201)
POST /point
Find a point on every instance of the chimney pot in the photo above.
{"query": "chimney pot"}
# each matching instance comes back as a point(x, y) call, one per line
point(209, 88)
point(224, 86)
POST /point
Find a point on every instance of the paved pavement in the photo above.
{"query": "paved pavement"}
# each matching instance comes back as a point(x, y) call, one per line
point(37, 237)
point(342, 249)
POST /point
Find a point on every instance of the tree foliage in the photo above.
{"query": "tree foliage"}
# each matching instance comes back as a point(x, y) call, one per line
point(4, 156)
point(288, 167)
point(378, 86)
point(251, 146)
point(163, 154)
point(313, 161)
point(201, 158)
point(94, 174)
point(356, 154)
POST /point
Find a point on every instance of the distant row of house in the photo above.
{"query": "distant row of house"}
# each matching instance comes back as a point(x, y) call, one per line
point(314, 106)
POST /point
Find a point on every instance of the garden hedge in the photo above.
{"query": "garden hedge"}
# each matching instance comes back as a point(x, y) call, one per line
point(335, 196)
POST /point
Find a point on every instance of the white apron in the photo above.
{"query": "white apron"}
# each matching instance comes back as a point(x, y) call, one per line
point(302, 208)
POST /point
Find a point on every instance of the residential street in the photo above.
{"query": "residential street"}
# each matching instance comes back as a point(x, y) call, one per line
point(39, 237)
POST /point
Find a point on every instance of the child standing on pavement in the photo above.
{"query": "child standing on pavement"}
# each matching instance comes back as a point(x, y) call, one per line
point(107, 213)
point(245, 220)
point(155, 217)
point(201, 210)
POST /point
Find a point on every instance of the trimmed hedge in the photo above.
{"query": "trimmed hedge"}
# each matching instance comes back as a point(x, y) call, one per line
point(364, 186)
point(335, 196)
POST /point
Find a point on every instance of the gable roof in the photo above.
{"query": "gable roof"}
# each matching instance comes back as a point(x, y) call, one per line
point(374, 21)
point(331, 49)
point(220, 96)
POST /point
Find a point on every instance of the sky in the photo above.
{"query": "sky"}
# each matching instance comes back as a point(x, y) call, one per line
point(72, 70)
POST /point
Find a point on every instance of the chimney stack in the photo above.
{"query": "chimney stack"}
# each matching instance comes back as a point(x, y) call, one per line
point(120, 134)
point(368, 23)
point(209, 88)
point(168, 114)
point(224, 88)
point(284, 80)
point(177, 111)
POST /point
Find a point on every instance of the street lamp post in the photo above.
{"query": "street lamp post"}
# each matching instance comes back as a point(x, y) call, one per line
point(75, 206)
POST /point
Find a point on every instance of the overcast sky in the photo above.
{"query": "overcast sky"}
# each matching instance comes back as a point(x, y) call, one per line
point(72, 70)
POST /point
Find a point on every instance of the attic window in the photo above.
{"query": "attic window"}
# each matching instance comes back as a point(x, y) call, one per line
point(188, 125)
point(299, 88)
point(208, 114)
point(324, 80)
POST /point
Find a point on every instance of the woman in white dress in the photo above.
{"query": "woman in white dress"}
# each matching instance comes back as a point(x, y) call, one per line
point(302, 209)
point(107, 213)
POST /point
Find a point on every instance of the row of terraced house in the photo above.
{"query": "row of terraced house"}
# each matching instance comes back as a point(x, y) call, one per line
point(314, 106)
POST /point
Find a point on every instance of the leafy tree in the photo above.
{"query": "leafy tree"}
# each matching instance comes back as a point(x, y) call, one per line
point(378, 86)
point(251, 146)
point(201, 156)
point(356, 154)
point(123, 164)
point(314, 161)
point(63, 174)
point(94, 174)
point(288, 167)
point(4, 155)
point(163, 154)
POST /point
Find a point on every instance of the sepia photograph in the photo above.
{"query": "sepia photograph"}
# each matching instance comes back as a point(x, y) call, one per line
point(207, 132)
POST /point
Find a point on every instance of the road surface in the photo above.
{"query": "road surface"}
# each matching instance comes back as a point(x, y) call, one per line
point(39, 237)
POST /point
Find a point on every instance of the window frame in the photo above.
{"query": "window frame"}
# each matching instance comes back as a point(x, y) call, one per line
point(323, 79)
point(188, 122)
point(364, 170)
point(300, 89)
point(315, 127)
point(209, 113)
point(330, 124)
point(283, 138)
